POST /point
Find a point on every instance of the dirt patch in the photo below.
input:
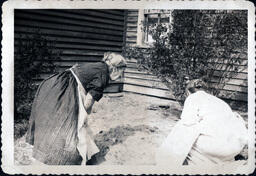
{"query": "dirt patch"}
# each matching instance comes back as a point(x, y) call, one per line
point(106, 139)
point(127, 128)
point(22, 153)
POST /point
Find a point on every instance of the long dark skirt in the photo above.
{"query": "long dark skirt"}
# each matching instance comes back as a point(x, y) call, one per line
point(53, 121)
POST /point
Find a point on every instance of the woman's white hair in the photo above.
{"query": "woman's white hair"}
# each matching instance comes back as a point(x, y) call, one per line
point(116, 64)
point(114, 59)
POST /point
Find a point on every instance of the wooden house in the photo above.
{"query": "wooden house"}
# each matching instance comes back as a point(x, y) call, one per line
point(83, 35)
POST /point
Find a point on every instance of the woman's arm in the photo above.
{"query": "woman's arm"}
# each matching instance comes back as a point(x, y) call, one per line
point(181, 139)
point(88, 103)
point(87, 99)
point(177, 145)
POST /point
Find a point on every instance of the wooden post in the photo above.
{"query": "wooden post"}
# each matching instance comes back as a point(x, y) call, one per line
point(140, 34)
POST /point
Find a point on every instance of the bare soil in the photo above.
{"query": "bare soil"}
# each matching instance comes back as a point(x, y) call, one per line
point(127, 128)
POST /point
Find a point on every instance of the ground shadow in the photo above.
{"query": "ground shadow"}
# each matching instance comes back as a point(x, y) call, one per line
point(167, 111)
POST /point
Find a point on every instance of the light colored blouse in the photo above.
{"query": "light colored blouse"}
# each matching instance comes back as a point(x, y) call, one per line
point(208, 132)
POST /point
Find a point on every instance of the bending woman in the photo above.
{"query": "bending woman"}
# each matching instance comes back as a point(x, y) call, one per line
point(208, 132)
point(57, 125)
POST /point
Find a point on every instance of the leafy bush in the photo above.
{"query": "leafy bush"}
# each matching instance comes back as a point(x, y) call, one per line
point(196, 45)
point(33, 55)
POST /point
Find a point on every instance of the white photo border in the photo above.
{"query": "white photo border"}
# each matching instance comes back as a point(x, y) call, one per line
point(7, 135)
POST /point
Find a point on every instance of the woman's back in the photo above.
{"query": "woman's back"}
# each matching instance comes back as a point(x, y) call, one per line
point(222, 132)
point(208, 133)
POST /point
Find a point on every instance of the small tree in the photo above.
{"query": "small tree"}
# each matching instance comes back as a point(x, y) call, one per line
point(196, 45)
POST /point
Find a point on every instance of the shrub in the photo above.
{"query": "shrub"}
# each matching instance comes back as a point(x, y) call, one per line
point(196, 45)
point(34, 54)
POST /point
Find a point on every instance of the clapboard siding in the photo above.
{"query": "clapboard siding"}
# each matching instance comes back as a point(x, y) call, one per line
point(67, 27)
point(233, 84)
point(109, 11)
point(132, 23)
point(70, 17)
point(81, 35)
point(239, 80)
point(100, 14)
point(132, 12)
point(148, 91)
point(68, 21)
point(145, 83)
point(64, 33)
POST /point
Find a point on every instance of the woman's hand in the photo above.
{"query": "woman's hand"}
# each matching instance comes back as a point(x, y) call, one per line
point(87, 99)
point(88, 103)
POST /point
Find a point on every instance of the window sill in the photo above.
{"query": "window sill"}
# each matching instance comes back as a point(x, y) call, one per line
point(145, 46)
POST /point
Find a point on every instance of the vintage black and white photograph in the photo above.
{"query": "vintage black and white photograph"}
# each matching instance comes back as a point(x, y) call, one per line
point(158, 87)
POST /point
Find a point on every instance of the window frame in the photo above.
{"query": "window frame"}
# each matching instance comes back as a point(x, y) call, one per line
point(143, 17)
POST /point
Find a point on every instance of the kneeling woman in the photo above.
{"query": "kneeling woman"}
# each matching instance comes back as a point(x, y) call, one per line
point(57, 128)
point(208, 132)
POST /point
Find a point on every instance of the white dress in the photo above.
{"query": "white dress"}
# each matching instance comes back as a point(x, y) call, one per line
point(208, 133)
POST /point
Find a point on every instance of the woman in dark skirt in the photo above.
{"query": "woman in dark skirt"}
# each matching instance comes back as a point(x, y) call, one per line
point(62, 103)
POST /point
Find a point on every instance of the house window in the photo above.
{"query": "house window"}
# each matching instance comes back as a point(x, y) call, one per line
point(152, 17)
